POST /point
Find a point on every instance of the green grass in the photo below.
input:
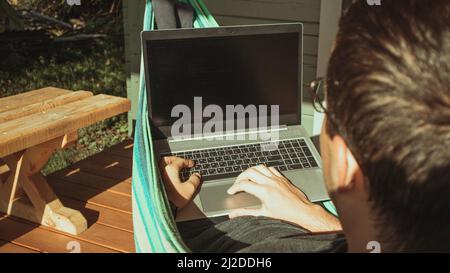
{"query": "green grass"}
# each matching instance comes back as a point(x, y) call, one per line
point(91, 140)
point(100, 71)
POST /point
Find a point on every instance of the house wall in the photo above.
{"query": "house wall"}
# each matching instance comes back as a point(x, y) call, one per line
point(133, 14)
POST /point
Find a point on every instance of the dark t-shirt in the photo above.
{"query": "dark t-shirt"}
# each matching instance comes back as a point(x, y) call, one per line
point(255, 234)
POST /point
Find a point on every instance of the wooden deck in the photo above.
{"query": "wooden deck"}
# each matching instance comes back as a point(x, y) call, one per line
point(99, 187)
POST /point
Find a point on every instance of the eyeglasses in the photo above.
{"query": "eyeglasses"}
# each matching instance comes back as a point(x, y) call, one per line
point(318, 94)
point(316, 87)
point(318, 90)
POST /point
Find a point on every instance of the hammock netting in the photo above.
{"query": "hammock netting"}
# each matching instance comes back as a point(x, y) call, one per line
point(155, 230)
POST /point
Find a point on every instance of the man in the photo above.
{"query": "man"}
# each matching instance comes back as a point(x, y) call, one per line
point(385, 146)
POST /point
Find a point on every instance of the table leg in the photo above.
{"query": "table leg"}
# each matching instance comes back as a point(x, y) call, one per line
point(25, 193)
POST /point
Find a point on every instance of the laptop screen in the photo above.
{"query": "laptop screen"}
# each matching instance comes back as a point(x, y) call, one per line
point(260, 69)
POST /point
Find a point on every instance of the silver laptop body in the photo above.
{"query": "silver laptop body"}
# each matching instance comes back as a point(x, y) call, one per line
point(230, 66)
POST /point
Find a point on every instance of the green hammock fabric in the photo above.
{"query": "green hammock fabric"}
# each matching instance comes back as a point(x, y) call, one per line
point(154, 226)
point(155, 230)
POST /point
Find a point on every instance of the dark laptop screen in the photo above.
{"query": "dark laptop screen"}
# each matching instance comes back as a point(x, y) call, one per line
point(254, 69)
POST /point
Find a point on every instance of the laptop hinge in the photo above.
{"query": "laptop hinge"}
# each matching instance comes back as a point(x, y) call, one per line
point(229, 134)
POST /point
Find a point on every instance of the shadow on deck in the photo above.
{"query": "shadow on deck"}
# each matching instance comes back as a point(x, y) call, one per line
point(100, 188)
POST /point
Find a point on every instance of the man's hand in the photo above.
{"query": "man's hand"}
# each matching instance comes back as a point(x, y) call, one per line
point(179, 192)
point(281, 200)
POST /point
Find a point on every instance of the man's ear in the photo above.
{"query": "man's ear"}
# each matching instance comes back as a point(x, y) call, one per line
point(345, 170)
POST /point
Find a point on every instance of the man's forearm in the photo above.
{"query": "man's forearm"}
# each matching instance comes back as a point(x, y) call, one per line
point(322, 221)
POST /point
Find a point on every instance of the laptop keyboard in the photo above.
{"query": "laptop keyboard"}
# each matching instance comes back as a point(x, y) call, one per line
point(230, 161)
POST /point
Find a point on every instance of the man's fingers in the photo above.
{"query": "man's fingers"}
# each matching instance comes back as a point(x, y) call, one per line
point(162, 163)
point(195, 179)
point(180, 163)
point(245, 212)
point(171, 172)
point(167, 160)
point(254, 175)
point(264, 170)
point(275, 172)
point(250, 187)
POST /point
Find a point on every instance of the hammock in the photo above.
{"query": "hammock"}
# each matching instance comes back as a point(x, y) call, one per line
point(155, 230)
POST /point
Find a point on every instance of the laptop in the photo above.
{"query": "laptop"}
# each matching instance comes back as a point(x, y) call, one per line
point(259, 66)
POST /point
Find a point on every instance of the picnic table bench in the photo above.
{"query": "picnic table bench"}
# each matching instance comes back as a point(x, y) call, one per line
point(33, 125)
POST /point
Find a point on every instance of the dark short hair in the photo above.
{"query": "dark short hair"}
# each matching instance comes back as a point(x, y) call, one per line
point(388, 93)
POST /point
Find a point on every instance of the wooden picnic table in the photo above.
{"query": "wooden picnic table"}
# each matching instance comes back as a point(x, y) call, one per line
point(33, 125)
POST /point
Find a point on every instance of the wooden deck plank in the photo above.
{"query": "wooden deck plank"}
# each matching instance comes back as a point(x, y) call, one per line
point(97, 234)
point(38, 128)
point(104, 201)
point(38, 237)
point(100, 214)
point(110, 237)
point(26, 98)
point(106, 161)
point(7, 247)
point(78, 176)
point(105, 165)
point(124, 149)
point(90, 195)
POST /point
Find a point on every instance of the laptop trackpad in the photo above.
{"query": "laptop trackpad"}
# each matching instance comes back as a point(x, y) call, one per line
point(215, 198)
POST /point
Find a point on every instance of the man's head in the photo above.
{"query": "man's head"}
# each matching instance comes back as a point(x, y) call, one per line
point(388, 129)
